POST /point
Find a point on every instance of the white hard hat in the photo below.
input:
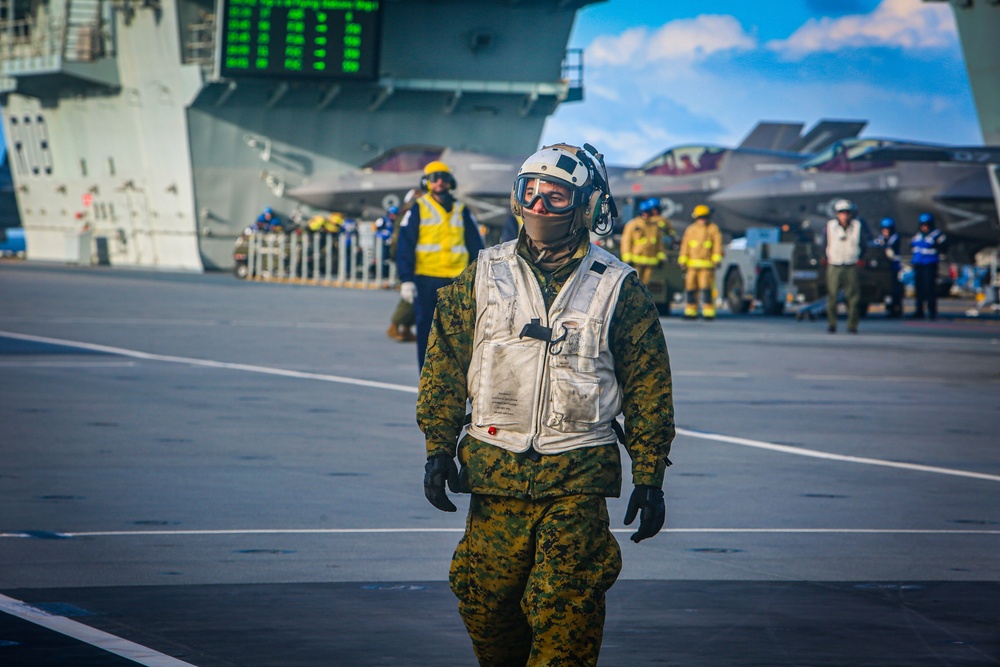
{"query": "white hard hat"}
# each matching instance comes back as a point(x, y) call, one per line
point(843, 205)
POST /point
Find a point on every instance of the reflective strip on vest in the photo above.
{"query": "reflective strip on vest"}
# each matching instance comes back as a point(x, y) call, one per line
point(440, 249)
point(701, 264)
point(525, 392)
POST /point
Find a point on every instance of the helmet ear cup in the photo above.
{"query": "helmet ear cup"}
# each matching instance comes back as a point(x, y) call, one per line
point(597, 213)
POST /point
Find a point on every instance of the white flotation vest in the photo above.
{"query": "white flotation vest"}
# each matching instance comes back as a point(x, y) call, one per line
point(551, 395)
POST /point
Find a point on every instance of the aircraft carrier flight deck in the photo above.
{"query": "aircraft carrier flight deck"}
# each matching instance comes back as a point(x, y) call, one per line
point(204, 471)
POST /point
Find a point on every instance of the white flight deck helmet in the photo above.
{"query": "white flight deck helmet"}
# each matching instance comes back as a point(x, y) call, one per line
point(842, 205)
point(581, 170)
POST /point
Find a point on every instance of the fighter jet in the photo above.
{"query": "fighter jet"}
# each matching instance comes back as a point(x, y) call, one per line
point(682, 177)
point(884, 178)
point(685, 176)
point(484, 182)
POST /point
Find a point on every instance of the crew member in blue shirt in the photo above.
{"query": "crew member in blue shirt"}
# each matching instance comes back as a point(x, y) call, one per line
point(888, 239)
point(438, 238)
point(927, 244)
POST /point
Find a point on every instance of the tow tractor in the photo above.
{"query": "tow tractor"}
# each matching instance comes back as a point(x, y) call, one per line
point(778, 267)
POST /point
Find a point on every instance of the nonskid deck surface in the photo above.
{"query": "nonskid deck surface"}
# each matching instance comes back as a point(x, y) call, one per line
point(202, 470)
point(414, 623)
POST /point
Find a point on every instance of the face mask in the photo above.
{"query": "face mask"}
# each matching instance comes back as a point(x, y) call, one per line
point(547, 228)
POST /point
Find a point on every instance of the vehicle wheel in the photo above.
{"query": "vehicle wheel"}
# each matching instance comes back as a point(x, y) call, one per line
point(769, 300)
point(241, 271)
point(735, 296)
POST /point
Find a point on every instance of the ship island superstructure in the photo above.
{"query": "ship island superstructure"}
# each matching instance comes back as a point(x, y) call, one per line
point(152, 132)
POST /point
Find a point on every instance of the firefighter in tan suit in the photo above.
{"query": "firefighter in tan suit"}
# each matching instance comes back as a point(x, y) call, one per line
point(701, 252)
point(645, 239)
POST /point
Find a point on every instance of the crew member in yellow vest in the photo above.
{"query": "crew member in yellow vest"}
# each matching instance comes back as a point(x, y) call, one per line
point(643, 245)
point(438, 237)
point(701, 253)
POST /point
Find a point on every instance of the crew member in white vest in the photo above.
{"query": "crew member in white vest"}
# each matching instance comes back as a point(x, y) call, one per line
point(550, 338)
point(844, 244)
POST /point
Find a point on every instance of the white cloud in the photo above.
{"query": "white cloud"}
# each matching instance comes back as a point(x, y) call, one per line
point(908, 24)
point(648, 89)
point(684, 39)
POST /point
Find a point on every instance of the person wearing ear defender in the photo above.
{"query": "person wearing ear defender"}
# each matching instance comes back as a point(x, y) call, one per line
point(551, 338)
point(437, 236)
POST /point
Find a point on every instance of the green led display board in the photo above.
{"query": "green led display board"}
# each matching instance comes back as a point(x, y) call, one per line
point(321, 39)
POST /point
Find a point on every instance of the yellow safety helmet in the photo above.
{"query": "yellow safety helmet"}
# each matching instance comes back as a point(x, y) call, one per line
point(701, 211)
point(436, 165)
point(435, 168)
point(334, 222)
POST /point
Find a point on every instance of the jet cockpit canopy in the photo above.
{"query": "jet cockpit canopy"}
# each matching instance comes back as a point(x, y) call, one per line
point(845, 156)
point(404, 159)
point(684, 160)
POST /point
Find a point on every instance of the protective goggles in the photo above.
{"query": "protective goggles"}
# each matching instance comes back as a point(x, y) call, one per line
point(556, 196)
point(436, 176)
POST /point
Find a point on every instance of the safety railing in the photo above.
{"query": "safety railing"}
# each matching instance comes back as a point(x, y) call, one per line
point(27, 38)
point(354, 259)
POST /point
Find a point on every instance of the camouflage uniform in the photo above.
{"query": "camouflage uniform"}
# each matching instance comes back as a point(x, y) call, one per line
point(537, 556)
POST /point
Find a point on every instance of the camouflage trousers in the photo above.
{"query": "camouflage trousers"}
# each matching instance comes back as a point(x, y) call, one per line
point(531, 576)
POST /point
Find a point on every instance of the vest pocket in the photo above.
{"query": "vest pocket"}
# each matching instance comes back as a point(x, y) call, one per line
point(573, 404)
point(505, 395)
point(578, 349)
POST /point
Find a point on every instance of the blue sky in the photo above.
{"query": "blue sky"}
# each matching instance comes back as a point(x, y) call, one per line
point(659, 74)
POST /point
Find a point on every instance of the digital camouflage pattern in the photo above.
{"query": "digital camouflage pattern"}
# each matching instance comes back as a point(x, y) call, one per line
point(642, 367)
point(540, 601)
point(537, 557)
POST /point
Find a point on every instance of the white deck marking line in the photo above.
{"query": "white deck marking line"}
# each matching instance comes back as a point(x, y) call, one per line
point(135, 354)
point(835, 457)
point(102, 640)
point(66, 364)
point(888, 378)
point(799, 451)
point(362, 531)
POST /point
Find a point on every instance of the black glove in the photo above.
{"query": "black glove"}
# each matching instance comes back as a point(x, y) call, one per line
point(649, 499)
point(439, 468)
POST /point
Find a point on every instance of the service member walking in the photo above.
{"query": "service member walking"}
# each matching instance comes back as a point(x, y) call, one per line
point(550, 337)
point(701, 253)
point(927, 244)
point(437, 236)
point(844, 243)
